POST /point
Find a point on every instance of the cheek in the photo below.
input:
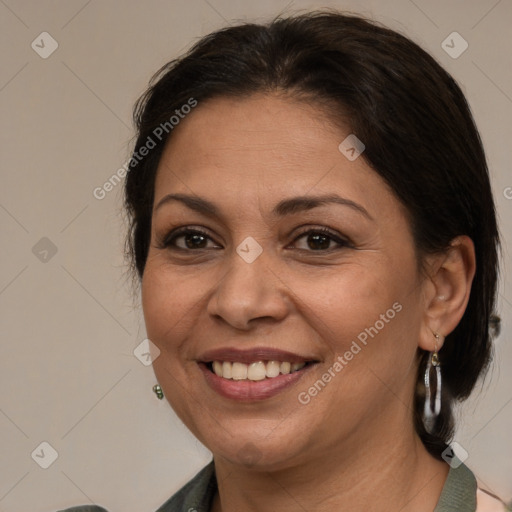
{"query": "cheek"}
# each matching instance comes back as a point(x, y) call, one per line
point(369, 323)
point(166, 302)
point(174, 300)
point(369, 315)
point(350, 299)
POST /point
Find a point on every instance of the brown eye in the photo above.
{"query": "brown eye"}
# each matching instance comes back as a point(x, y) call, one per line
point(320, 240)
point(191, 239)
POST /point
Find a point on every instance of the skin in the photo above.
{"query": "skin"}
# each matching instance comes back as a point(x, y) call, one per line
point(353, 446)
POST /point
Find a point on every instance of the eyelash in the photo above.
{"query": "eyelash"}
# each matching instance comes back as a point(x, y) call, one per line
point(171, 238)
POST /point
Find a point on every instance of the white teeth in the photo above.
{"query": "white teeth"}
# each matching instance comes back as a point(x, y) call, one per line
point(258, 370)
point(239, 371)
point(217, 368)
point(226, 370)
point(272, 369)
point(285, 368)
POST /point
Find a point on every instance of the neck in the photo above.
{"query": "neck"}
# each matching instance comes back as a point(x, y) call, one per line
point(394, 474)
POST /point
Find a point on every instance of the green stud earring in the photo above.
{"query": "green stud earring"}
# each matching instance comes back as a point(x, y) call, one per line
point(158, 391)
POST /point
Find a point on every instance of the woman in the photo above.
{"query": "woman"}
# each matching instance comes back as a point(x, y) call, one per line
point(314, 229)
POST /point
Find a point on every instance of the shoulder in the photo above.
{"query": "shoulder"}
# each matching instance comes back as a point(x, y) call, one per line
point(461, 493)
point(195, 495)
point(486, 502)
point(84, 508)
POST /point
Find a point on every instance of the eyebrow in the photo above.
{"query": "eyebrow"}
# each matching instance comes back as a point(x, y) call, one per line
point(283, 208)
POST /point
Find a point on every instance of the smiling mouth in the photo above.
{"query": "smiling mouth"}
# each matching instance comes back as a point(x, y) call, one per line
point(256, 371)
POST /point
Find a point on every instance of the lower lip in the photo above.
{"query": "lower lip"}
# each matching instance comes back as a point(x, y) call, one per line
point(249, 390)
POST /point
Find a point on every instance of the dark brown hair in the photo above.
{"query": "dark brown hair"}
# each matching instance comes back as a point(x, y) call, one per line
point(414, 120)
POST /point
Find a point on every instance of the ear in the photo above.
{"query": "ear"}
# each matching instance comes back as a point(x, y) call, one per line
point(446, 291)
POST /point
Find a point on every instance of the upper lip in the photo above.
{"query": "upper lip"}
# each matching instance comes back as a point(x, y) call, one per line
point(251, 355)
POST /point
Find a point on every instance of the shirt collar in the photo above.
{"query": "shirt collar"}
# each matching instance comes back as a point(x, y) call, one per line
point(459, 492)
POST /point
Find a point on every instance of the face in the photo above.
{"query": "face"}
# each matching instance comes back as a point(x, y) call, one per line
point(250, 268)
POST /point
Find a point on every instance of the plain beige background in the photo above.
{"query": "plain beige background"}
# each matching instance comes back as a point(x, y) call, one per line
point(69, 322)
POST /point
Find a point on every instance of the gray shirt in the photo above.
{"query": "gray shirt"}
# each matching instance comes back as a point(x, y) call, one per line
point(459, 493)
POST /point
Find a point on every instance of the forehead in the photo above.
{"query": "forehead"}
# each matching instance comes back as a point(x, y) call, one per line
point(265, 145)
point(270, 125)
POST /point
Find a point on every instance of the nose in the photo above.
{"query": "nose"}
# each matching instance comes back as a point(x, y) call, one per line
point(248, 292)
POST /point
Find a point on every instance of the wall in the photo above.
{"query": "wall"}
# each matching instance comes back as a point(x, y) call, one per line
point(69, 320)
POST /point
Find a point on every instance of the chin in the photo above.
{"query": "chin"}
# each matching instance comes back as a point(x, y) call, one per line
point(265, 452)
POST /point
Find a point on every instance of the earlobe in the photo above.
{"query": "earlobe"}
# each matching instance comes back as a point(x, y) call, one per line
point(448, 293)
